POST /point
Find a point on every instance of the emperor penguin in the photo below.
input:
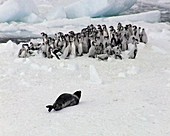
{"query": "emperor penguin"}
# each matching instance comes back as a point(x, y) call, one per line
point(124, 43)
point(73, 46)
point(23, 52)
point(44, 50)
point(80, 46)
point(108, 50)
point(119, 27)
point(134, 30)
point(55, 40)
point(111, 32)
point(99, 35)
point(138, 33)
point(45, 37)
point(65, 41)
point(133, 52)
point(144, 37)
point(117, 52)
point(52, 42)
point(113, 40)
point(85, 42)
point(130, 30)
point(92, 50)
point(106, 40)
point(99, 48)
point(34, 47)
point(105, 31)
point(67, 50)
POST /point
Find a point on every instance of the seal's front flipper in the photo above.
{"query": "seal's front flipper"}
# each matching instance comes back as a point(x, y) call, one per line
point(50, 107)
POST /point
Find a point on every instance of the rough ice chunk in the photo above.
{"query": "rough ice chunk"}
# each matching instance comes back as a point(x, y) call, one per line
point(94, 76)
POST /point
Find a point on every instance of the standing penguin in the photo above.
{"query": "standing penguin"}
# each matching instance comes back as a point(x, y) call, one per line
point(111, 32)
point(138, 33)
point(133, 52)
point(45, 37)
point(80, 47)
point(85, 42)
point(124, 43)
point(65, 100)
point(23, 52)
point(67, 49)
point(105, 31)
point(92, 50)
point(143, 36)
point(73, 47)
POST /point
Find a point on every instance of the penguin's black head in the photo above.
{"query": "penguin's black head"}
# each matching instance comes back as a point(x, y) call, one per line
point(42, 33)
point(99, 26)
point(78, 94)
point(111, 28)
point(104, 26)
point(31, 43)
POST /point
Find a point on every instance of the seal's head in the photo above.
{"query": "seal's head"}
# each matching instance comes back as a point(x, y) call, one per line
point(78, 94)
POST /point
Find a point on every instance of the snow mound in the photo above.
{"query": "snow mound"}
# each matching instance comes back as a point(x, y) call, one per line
point(16, 10)
point(94, 76)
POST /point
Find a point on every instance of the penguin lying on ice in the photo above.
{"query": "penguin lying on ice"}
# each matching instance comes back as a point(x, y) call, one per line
point(65, 100)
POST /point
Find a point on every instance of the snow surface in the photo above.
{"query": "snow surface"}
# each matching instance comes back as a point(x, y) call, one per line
point(119, 97)
point(22, 10)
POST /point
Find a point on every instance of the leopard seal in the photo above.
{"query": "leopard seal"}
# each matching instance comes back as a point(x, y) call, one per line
point(65, 100)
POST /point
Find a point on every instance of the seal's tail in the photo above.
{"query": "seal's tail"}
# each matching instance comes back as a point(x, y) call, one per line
point(50, 107)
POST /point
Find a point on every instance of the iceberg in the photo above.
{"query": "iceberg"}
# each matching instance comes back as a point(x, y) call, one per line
point(28, 11)
point(97, 8)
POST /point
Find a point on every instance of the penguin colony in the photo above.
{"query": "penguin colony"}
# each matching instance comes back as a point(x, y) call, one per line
point(95, 41)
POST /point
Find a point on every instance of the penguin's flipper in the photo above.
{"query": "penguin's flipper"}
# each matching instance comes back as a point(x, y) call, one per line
point(50, 107)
